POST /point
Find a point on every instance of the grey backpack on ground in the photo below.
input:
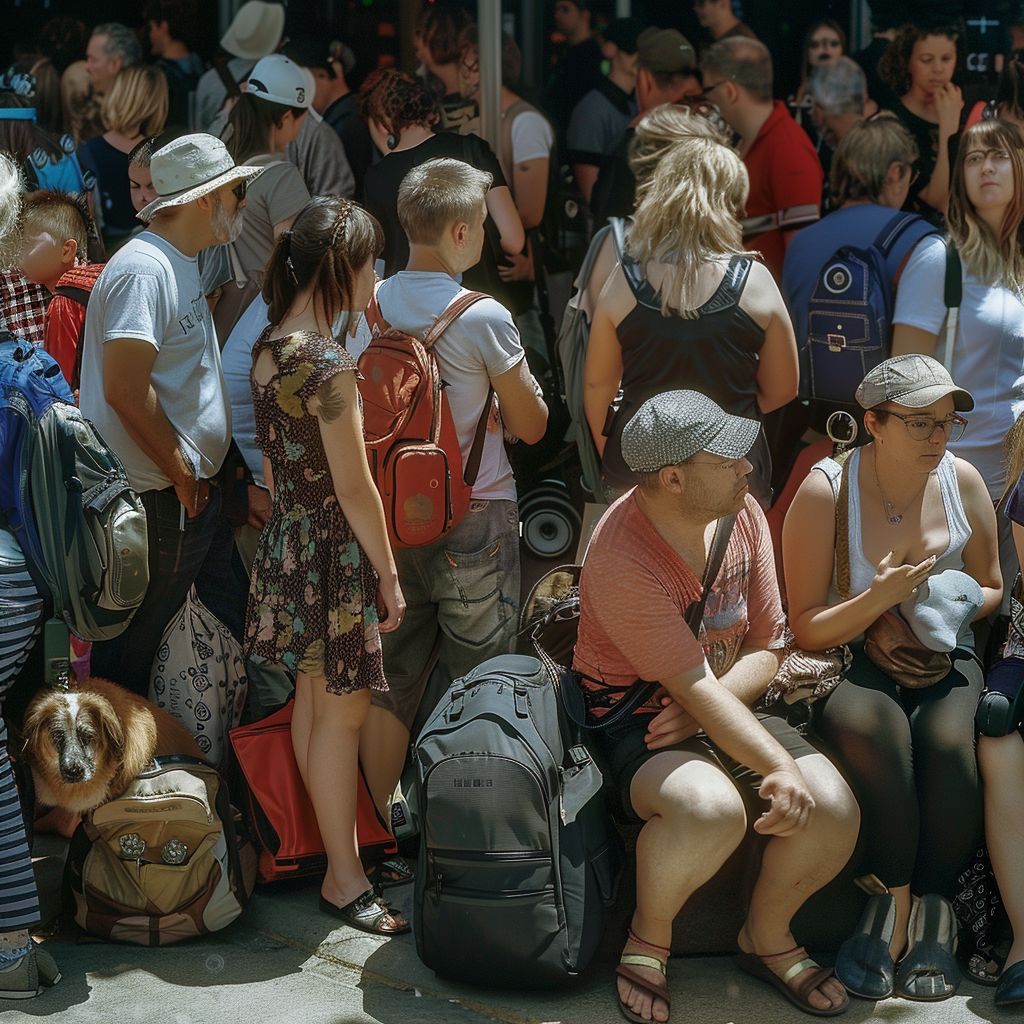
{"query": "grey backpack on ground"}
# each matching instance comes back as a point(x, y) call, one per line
point(518, 857)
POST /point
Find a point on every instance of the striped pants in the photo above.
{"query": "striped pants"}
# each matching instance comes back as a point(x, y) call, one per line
point(20, 618)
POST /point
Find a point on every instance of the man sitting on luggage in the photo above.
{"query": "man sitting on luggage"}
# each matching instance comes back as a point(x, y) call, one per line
point(684, 760)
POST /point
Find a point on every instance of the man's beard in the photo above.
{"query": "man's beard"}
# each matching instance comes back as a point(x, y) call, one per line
point(225, 227)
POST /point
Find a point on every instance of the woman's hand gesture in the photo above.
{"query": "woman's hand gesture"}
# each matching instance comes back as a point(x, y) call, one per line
point(949, 102)
point(895, 583)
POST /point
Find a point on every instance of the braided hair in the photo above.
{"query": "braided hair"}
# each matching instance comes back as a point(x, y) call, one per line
point(330, 241)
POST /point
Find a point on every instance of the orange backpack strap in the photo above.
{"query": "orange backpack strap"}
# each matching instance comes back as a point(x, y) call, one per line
point(451, 313)
point(374, 317)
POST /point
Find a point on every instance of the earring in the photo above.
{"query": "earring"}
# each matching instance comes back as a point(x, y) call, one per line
point(391, 140)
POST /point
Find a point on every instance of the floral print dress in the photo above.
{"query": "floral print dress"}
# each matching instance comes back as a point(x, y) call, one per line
point(312, 598)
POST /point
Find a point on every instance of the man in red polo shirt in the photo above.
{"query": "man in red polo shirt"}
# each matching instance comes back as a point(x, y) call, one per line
point(785, 173)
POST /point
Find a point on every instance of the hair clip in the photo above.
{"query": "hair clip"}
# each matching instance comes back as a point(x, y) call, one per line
point(291, 267)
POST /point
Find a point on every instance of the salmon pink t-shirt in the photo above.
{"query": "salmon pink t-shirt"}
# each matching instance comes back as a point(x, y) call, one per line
point(634, 592)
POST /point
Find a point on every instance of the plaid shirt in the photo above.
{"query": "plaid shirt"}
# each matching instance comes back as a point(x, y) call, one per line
point(22, 306)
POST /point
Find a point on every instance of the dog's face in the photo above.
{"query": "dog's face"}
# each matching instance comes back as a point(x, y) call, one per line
point(75, 742)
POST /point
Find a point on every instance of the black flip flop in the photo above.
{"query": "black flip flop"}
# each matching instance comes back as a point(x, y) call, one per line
point(929, 971)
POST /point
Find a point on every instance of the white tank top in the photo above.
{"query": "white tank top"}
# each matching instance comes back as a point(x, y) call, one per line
point(862, 572)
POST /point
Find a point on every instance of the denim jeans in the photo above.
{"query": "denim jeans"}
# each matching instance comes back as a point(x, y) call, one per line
point(463, 589)
point(200, 554)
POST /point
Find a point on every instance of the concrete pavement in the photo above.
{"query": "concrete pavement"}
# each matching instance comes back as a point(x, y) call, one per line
point(284, 961)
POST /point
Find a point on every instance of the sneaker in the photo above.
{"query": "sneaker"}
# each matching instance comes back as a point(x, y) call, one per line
point(20, 980)
point(49, 972)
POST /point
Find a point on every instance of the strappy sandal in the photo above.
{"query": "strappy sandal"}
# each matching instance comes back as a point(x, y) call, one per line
point(368, 913)
point(759, 967)
point(624, 969)
point(929, 970)
point(390, 872)
point(864, 964)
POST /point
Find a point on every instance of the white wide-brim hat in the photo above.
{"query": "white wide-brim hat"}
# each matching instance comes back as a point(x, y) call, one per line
point(255, 31)
point(190, 167)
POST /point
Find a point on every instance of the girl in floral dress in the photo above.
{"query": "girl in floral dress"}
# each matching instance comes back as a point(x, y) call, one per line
point(324, 556)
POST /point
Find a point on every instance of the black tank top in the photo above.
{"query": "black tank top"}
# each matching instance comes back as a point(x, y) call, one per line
point(715, 353)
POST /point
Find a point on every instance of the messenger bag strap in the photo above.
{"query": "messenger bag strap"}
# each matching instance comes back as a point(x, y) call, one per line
point(843, 536)
point(642, 690)
point(952, 296)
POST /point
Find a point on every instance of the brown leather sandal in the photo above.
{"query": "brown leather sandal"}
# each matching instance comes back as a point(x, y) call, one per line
point(758, 967)
point(624, 969)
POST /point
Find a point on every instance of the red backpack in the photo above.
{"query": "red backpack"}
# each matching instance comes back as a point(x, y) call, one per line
point(411, 443)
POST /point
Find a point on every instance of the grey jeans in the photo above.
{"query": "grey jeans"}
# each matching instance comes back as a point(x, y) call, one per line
point(464, 590)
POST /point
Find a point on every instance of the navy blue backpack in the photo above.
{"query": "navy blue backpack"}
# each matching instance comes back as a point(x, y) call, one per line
point(66, 498)
point(849, 317)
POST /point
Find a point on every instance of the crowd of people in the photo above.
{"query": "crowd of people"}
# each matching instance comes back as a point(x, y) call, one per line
point(206, 252)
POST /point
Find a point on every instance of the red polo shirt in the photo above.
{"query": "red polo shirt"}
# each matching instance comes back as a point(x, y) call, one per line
point(785, 174)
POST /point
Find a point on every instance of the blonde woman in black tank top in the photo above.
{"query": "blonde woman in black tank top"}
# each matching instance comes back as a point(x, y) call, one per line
point(688, 309)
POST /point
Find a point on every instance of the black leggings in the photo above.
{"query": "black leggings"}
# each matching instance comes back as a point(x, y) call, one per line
point(909, 757)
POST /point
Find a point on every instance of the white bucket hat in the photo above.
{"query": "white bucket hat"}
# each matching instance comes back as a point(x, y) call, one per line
point(190, 167)
point(255, 30)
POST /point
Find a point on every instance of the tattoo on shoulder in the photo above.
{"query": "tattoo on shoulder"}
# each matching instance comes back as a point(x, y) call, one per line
point(332, 404)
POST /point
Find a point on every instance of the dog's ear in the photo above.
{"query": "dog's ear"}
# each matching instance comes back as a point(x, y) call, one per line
point(139, 741)
point(38, 717)
point(108, 724)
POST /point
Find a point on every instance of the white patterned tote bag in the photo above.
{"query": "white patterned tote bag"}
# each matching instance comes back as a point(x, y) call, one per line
point(198, 676)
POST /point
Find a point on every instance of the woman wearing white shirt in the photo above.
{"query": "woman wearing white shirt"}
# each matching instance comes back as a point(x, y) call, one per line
point(986, 208)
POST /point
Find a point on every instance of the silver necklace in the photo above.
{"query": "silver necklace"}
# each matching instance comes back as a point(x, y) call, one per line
point(894, 517)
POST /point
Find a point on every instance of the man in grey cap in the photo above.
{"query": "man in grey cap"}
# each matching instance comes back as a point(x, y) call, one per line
point(666, 73)
point(152, 383)
point(641, 576)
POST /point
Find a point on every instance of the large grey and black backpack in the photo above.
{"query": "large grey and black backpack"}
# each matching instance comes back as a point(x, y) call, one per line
point(518, 858)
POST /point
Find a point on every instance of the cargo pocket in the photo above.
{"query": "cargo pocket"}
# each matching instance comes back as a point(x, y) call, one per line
point(478, 610)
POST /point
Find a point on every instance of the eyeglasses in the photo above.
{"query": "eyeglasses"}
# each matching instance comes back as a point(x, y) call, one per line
point(978, 156)
point(727, 464)
point(240, 190)
point(710, 88)
point(922, 428)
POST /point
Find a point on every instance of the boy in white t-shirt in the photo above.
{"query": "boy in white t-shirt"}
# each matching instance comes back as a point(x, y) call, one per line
point(462, 590)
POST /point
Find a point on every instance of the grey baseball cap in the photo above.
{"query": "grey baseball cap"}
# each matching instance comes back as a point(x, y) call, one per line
point(912, 380)
point(672, 427)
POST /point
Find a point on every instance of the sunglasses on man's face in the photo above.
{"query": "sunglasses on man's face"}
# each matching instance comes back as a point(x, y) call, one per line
point(240, 190)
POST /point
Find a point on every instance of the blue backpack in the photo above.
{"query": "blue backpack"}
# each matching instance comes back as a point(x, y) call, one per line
point(849, 317)
point(67, 499)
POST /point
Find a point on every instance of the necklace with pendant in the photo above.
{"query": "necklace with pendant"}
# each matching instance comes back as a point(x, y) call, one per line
point(894, 517)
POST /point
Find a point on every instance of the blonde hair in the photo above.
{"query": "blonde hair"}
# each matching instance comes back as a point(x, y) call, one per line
point(62, 215)
point(438, 193)
point(688, 217)
point(10, 211)
point(996, 261)
point(660, 129)
point(137, 102)
point(1013, 455)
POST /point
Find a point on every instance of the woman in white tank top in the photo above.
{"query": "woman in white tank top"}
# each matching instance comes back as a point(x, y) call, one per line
point(912, 511)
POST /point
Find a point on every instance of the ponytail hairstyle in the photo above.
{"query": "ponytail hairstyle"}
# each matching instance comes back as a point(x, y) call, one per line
point(330, 241)
point(250, 121)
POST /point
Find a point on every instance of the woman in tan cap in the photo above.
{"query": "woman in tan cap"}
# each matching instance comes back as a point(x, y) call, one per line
point(894, 553)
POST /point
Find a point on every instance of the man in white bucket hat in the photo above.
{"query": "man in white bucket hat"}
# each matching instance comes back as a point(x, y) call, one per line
point(254, 33)
point(152, 383)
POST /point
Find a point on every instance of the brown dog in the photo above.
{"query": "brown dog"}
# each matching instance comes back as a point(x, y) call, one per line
point(86, 745)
